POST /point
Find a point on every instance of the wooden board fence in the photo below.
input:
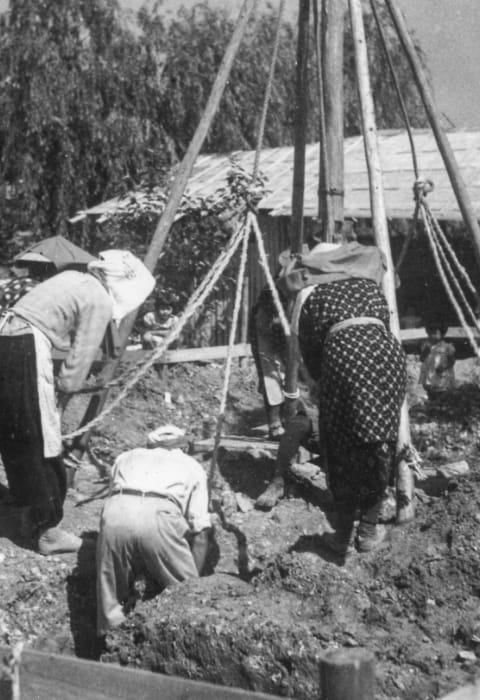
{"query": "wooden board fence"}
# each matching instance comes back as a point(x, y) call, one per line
point(42, 676)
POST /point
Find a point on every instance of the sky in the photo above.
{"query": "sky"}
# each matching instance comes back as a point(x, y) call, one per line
point(447, 30)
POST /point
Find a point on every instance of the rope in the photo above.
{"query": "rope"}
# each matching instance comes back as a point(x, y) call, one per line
point(268, 275)
point(268, 91)
point(408, 127)
point(231, 341)
point(195, 301)
point(433, 232)
point(441, 272)
point(206, 286)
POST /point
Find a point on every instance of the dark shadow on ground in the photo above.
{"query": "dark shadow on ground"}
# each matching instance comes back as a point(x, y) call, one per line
point(81, 598)
point(15, 522)
point(245, 472)
point(314, 545)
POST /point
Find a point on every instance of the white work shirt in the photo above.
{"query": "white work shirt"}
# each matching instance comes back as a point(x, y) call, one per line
point(169, 473)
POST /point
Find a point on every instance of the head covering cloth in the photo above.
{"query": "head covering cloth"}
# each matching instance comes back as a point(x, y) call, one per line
point(127, 280)
point(329, 262)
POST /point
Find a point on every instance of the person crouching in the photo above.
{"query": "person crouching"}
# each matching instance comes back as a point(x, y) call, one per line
point(155, 521)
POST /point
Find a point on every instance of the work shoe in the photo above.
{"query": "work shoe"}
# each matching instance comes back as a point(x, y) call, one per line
point(272, 494)
point(370, 536)
point(58, 541)
point(340, 541)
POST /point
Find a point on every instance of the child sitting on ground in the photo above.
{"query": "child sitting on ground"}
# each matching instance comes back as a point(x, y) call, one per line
point(437, 373)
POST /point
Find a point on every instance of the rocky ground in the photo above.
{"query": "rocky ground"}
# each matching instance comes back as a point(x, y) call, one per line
point(274, 600)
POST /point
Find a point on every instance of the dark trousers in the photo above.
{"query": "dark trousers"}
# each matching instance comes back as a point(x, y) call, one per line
point(34, 480)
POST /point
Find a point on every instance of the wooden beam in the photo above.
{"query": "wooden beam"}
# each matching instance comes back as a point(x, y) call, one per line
point(468, 692)
point(209, 354)
point(404, 480)
point(98, 401)
point(57, 677)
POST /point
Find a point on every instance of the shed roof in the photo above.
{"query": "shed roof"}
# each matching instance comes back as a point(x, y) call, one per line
point(209, 174)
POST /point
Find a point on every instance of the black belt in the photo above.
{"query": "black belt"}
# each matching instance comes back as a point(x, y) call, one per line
point(144, 494)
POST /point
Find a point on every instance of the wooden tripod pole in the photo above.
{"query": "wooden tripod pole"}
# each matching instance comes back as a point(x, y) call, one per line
point(458, 185)
point(296, 232)
point(405, 484)
point(168, 216)
point(333, 16)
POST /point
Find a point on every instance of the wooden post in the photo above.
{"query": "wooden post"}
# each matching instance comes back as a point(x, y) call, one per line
point(405, 482)
point(347, 674)
point(325, 212)
point(458, 185)
point(301, 108)
point(166, 220)
point(333, 30)
point(296, 231)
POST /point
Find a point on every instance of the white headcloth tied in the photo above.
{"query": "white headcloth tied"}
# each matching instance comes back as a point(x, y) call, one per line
point(126, 278)
point(166, 436)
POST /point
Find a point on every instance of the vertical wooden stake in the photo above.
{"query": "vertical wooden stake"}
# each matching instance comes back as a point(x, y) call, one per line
point(332, 29)
point(347, 674)
point(301, 108)
point(405, 483)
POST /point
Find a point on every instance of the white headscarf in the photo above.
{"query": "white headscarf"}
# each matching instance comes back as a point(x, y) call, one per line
point(126, 278)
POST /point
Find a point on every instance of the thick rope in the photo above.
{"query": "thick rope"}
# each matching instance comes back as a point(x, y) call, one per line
point(231, 341)
point(196, 300)
point(447, 265)
point(446, 283)
point(460, 268)
point(271, 284)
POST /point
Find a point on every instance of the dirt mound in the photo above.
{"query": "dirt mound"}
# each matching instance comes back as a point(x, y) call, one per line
point(275, 600)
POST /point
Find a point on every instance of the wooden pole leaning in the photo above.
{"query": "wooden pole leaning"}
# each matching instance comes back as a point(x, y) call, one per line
point(404, 476)
point(168, 216)
point(433, 114)
point(296, 231)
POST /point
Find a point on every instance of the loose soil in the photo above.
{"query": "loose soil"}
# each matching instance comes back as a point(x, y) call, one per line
point(273, 600)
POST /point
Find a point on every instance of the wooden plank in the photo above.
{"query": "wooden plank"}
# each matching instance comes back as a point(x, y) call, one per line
point(54, 677)
point(468, 692)
point(236, 443)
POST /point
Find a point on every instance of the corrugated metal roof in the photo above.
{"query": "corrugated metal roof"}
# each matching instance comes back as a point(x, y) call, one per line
point(209, 174)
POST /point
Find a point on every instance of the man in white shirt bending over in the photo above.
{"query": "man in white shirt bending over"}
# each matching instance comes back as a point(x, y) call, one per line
point(155, 520)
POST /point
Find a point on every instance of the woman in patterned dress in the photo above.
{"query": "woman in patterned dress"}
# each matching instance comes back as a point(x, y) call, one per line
point(344, 338)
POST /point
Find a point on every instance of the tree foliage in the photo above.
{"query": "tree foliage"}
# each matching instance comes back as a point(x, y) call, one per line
point(91, 106)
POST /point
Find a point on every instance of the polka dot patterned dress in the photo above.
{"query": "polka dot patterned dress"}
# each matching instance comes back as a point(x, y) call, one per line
point(362, 379)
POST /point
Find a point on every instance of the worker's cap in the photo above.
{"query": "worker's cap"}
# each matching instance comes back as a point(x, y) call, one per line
point(168, 436)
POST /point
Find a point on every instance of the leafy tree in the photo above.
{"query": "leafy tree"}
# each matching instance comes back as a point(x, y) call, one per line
point(79, 102)
point(195, 43)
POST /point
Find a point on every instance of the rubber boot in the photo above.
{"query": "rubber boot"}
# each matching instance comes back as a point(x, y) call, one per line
point(370, 534)
point(275, 427)
point(54, 540)
point(341, 541)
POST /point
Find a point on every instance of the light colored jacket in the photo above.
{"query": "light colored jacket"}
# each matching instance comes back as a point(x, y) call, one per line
point(73, 310)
